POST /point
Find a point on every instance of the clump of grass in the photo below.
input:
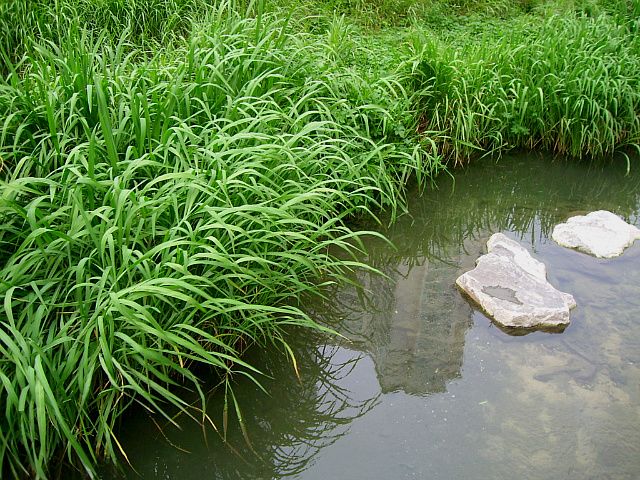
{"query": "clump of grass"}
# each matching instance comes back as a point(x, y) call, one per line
point(569, 85)
point(161, 211)
point(151, 23)
point(148, 20)
point(19, 21)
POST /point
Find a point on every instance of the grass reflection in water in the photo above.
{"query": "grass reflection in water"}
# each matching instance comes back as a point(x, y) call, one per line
point(286, 428)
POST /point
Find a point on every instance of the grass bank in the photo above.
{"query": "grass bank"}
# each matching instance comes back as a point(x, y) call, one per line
point(161, 209)
point(566, 85)
point(174, 171)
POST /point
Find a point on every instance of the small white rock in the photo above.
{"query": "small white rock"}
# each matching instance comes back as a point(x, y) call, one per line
point(601, 234)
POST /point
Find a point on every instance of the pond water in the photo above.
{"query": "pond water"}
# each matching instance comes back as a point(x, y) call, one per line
point(421, 385)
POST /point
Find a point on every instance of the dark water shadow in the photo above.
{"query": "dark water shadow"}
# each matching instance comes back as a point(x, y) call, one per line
point(285, 428)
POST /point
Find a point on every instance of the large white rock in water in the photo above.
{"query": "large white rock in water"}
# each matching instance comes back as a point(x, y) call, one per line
point(601, 234)
point(512, 288)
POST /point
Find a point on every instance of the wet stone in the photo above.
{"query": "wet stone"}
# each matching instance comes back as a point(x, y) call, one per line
point(512, 288)
point(601, 234)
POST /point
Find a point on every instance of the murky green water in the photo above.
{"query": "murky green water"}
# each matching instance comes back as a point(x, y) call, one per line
point(423, 386)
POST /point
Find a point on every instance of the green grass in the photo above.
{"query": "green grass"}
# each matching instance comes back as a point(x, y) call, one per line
point(566, 85)
point(163, 210)
point(151, 22)
point(173, 174)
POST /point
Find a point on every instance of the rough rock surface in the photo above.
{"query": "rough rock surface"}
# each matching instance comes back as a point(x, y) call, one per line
point(601, 234)
point(512, 288)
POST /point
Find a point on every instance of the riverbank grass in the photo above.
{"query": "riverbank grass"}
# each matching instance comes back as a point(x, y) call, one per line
point(161, 211)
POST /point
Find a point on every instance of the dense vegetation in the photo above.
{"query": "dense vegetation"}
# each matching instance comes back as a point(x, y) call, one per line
point(173, 172)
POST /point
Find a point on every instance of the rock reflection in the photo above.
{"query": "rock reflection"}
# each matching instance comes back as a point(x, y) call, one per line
point(411, 323)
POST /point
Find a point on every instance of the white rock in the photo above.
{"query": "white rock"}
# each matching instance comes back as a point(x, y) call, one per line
point(512, 288)
point(601, 234)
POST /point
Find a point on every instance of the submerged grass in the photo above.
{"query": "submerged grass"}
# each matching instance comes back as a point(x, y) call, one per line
point(170, 187)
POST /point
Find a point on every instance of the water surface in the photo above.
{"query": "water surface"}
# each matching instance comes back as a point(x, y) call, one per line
point(421, 385)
